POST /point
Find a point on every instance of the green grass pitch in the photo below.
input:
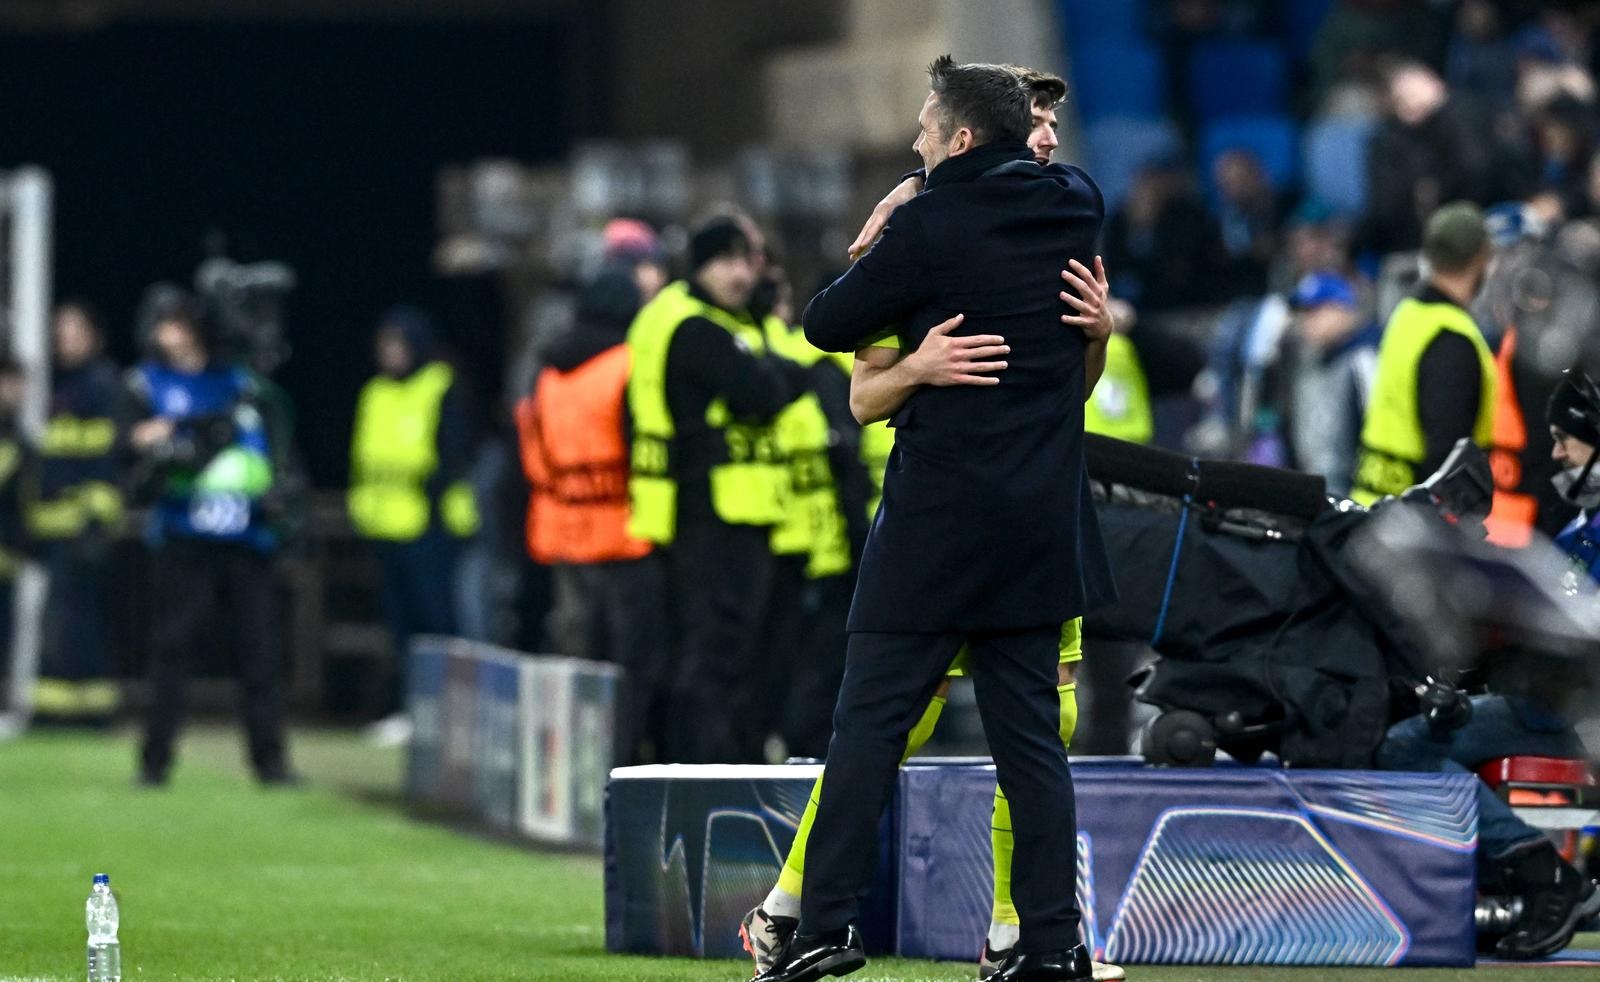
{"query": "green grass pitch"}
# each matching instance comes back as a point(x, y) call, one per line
point(217, 879)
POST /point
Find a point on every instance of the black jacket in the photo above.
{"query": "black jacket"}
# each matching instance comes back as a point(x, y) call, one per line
point(986, 522)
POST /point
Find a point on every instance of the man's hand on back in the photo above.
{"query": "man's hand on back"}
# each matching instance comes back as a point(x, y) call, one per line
point(905, 191)
point(1091, 300)
point(944, 359)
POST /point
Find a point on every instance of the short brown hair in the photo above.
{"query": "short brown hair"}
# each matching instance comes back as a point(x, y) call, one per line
point(1047, 91)
point(1455, 236)
point(985, 99)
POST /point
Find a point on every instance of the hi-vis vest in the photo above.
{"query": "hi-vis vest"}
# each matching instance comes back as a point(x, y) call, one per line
point(747, 483)
point(576, 459)
point(394, 454)
point(812, 523)
point(1120, 404)
point(1392, 442)
point(877, 439)
point(65, 511)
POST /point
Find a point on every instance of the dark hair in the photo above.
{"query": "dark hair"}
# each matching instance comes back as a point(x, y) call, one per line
point(986, 99)
point(164, 302)
point(1045, 91)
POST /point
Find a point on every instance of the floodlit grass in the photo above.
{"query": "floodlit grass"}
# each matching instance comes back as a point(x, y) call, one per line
point(219, 879)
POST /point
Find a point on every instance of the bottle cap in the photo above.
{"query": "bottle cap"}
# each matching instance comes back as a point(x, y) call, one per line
point(100, 878)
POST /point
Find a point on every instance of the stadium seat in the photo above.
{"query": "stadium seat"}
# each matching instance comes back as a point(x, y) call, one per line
point(1124, 79)
point(1118, 147)
point(1302, 20)
point(1237, 78)
point(1272, 138)
point(1335, 159)
point(1098, 21)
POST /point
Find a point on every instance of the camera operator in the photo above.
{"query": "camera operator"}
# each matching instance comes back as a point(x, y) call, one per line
point(1556, 897)
point(204, 462)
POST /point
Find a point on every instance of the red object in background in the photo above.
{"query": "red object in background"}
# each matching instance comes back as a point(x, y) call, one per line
point(1531, 783)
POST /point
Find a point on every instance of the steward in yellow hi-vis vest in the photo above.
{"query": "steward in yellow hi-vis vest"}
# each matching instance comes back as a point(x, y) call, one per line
point(708, 479)
point(1119, 407)
point(1436, 375)
point(409, 495)
point(812, 525)
point(73, 518)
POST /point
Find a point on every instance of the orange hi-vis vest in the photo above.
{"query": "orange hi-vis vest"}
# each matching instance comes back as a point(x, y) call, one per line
point(1510, 522)
point(575, 454)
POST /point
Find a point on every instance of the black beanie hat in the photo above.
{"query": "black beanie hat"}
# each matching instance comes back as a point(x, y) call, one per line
point(1575, 407)
point(715, 239)
point(610, 300)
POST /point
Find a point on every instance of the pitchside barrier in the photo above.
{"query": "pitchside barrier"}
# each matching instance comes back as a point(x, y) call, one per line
point(520, 742)
point(1232, 865)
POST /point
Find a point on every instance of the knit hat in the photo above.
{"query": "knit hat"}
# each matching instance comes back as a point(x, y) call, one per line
point(609, 300)
point(631, 240)
point(715, 239)
point(1575, 407)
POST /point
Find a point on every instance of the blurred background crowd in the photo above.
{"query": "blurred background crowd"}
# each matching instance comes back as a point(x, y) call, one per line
point(365, 414)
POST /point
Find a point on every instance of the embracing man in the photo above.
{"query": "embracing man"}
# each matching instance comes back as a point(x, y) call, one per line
point(985, 537)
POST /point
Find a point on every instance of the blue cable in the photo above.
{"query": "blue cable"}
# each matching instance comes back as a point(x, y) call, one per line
point(1172, 574)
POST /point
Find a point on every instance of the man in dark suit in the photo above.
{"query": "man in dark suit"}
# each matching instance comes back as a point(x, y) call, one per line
point(985, 537)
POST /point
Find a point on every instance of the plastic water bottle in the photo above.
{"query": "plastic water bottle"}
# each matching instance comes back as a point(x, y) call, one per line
point(100, 912)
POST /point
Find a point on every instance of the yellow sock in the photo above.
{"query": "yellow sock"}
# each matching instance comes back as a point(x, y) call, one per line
point(1000, 828)
point(1068, 696)
point(794, 866)
point(924, 728)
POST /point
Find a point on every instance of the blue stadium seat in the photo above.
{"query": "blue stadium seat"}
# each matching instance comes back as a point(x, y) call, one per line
point(1272, 138)
point(1095, 21)
point(1124, 79)
point(1302, 20)
point(1335, 159)
point(1119, 146)
point(1237, 78)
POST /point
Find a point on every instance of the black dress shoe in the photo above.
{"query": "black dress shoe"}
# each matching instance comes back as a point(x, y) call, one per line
point(814, 956)
point(1066, 965)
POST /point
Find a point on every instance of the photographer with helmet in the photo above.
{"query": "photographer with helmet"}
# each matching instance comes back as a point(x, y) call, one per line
point(1574, 420)
point(204, 462)
point(1555, 897)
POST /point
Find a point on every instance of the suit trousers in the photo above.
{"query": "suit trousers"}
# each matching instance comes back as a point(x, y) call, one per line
point(888, 680)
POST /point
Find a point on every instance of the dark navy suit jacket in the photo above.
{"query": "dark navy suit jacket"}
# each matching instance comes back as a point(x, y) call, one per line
point(986, 522)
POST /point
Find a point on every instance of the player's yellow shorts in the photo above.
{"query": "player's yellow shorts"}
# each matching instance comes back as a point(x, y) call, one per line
point(1071, 647)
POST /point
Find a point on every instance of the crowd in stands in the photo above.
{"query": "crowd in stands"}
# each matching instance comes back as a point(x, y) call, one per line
point(1270, 168)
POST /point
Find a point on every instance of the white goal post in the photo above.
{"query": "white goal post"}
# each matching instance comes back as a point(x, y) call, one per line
point(27, 220)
